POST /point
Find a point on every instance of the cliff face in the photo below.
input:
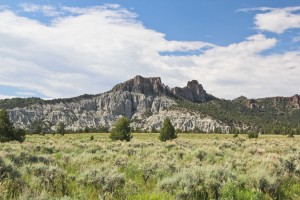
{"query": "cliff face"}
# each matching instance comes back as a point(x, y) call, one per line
point(148, 86)
point(193, 92)
point(146, 101)
point(153, 86)
point(295, 101)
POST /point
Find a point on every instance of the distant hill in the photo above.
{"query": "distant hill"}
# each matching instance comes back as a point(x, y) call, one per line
point(147, 101)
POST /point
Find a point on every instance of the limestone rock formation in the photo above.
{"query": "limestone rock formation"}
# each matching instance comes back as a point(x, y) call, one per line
point(148, 86)
point(146, 101)
point(295, 100)
point(193, 92)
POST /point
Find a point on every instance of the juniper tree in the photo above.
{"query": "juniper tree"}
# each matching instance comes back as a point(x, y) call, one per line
point(167, 131)
point(61, 128)
point(7, 130)
point(121, 130)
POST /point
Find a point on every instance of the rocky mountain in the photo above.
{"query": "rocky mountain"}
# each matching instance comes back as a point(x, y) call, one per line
point(147, 101)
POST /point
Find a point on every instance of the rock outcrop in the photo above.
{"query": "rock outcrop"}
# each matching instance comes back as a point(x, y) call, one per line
point(146, 101)
point(295, 101)
point(193, 92)
point(148, 86)
point(252, 104)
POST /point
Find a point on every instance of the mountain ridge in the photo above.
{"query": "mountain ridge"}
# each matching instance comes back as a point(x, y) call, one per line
point(147, 101)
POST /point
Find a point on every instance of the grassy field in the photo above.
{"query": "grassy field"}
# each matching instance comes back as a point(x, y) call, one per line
point(194, 166)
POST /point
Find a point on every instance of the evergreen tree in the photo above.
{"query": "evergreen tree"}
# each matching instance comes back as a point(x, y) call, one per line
point(252, 134)
point(121, 130)
point(61, 128)
point(37, 127)
point(7, 130)
point(86, 129)
point(167, 131)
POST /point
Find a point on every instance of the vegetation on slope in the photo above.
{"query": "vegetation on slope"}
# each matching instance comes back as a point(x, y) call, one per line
point(25, 102)
point(272, 115)
point(18, 102)
point(281, 119)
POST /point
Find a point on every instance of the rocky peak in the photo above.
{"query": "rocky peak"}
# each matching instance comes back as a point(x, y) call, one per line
point(151, 86)
point(192, 92)
point(295, 100)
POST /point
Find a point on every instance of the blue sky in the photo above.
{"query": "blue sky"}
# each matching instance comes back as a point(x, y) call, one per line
point(56, 49)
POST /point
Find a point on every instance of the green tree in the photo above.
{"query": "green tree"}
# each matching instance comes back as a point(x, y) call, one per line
point(61, 128)
point(252, 134)
point(167, 131)
point(7, 130)
point(86, 130)
point(291, 133)
point(37, 127)
point(103, 129)
point(121, 130)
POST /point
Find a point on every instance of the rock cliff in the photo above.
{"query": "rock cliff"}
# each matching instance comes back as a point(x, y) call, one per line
point(146, 101)
point(193, 92)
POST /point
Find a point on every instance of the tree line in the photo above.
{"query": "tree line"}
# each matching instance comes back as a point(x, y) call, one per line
point(121, 130)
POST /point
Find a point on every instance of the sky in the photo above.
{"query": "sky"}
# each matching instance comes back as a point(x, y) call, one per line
point(59, 49)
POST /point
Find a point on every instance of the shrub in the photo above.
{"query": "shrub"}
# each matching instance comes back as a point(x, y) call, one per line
point(7, 130)
point(197, 183)
point(252, 135)
point(291, 135)
point(201, 155)
point(167, 131)
point(55, 180)
point(61, 128)
point(121, 130)
point(92, 137)
point(10, 179)
point(110, 181)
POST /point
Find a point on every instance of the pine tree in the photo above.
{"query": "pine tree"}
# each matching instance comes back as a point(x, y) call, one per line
point(7, 130)
point(121, 130)
point(61, 128)
point(167, 131)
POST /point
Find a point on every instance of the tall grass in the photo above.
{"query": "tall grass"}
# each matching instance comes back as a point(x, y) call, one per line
point(191, 167)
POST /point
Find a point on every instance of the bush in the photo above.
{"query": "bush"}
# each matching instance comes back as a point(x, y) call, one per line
point(121, 130)
point(61, 128)
point(110, 181)
point(201, 155)
point(7, 130)
point(252, 135)
point(167, 131)
point(291, 135)
point(10, 178)
point(92, 137)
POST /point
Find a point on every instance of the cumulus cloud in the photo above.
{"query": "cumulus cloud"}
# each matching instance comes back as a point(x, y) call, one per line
point(276, 20)
point(47, 10)
point(89, 50)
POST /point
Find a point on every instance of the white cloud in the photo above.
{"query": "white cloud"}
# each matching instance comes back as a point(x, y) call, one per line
point(26, 94)
point(92, 49)
point(6, 96)
point(296, 39)
point(47, 10)
point(276, 20)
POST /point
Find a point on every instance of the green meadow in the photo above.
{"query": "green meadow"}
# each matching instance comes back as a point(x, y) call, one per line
point(193, 166)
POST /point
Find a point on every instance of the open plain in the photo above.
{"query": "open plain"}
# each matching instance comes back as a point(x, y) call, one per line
point(193, 166)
